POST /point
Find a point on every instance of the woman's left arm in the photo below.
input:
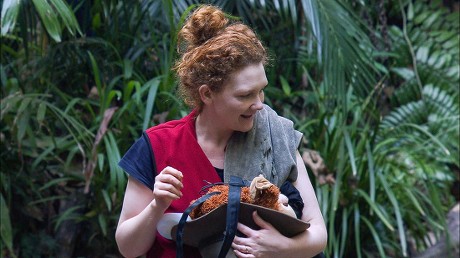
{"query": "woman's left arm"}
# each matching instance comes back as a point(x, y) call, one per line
point(268, 242)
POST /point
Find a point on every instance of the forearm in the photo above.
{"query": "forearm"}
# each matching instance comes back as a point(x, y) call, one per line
point(136, 235)
point(314, 239)
point(307, 244)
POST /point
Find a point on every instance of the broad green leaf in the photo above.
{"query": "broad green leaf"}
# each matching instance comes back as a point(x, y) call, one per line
point(67, 15)
point(10, 9)
point(49, 18)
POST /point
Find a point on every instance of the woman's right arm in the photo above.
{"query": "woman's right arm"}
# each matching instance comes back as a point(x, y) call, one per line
point(142, 210)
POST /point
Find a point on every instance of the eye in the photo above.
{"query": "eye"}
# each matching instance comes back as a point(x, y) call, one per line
point(245, 95)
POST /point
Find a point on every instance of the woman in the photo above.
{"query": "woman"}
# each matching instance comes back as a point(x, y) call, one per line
point(222, 78)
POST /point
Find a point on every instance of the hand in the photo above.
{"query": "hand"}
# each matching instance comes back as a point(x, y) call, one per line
point(265, 242)
point(167, 188)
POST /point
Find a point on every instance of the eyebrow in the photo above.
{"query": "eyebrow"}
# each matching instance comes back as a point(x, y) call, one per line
point(250, 91)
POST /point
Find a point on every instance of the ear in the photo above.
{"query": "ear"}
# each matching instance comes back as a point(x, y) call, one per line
point(205, 93)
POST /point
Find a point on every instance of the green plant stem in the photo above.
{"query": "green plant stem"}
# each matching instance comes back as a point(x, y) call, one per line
point(411, 48)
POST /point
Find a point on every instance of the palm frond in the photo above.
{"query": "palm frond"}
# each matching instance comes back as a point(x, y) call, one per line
point(343, 48)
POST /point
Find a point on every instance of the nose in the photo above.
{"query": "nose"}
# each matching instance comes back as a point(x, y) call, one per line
point(258, 104)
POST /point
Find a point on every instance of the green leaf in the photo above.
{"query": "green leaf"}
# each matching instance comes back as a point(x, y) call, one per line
point(117, 176)
point(100, 161)
point(376, 209)
point(414, 200)
point(68, 214)
point(23, 124)
point(422, 54)
point(54, 182)
point(107, 200)
point(152, 85)
point(421, 17)
point(127, 68)
point(49, 18)
point(111, 95)
point(351, 153)
point(102, 223)
point(397, 211)
point(24, 104)
point(406, 73)
point(10, 9)
point(430, 20)
point(376, 237)
point(41, 112)
point(285, 86)
point(410, 11)
point(67, 15)
point(5, 226)
point(128, 90)
point(357, 229)
point(370, 160)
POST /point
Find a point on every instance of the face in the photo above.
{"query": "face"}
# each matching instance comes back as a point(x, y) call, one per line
point(242, 96)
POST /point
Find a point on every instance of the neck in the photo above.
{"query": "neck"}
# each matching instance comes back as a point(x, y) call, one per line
point(212, 139)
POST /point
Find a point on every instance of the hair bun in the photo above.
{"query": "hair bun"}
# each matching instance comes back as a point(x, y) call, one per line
point(203, 24)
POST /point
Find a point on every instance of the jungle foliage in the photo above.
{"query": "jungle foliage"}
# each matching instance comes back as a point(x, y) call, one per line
point(373, 85)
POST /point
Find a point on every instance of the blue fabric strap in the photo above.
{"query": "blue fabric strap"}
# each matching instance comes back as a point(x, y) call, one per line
point(233, 208)
point(183, 219)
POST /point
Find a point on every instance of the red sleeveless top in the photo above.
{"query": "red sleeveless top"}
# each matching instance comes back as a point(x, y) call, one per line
point(174, 144)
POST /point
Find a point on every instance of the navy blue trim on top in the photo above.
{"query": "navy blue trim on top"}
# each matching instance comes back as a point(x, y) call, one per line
point(139, 163)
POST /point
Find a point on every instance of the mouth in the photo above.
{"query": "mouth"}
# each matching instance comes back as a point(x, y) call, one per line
point(247, 116)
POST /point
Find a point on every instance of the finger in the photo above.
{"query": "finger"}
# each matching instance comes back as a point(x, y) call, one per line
point(239, 254)
point(260, 222)
point(172, 176)
point(168, 179)
point(167, 189)
point(239, 240)
point(242, 251)
point(244, 229)
point(172, 171)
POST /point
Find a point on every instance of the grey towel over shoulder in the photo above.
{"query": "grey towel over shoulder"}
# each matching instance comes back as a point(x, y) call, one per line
point(269, 148)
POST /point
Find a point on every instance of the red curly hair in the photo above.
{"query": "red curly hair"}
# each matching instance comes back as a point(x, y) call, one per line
point(212, 48)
